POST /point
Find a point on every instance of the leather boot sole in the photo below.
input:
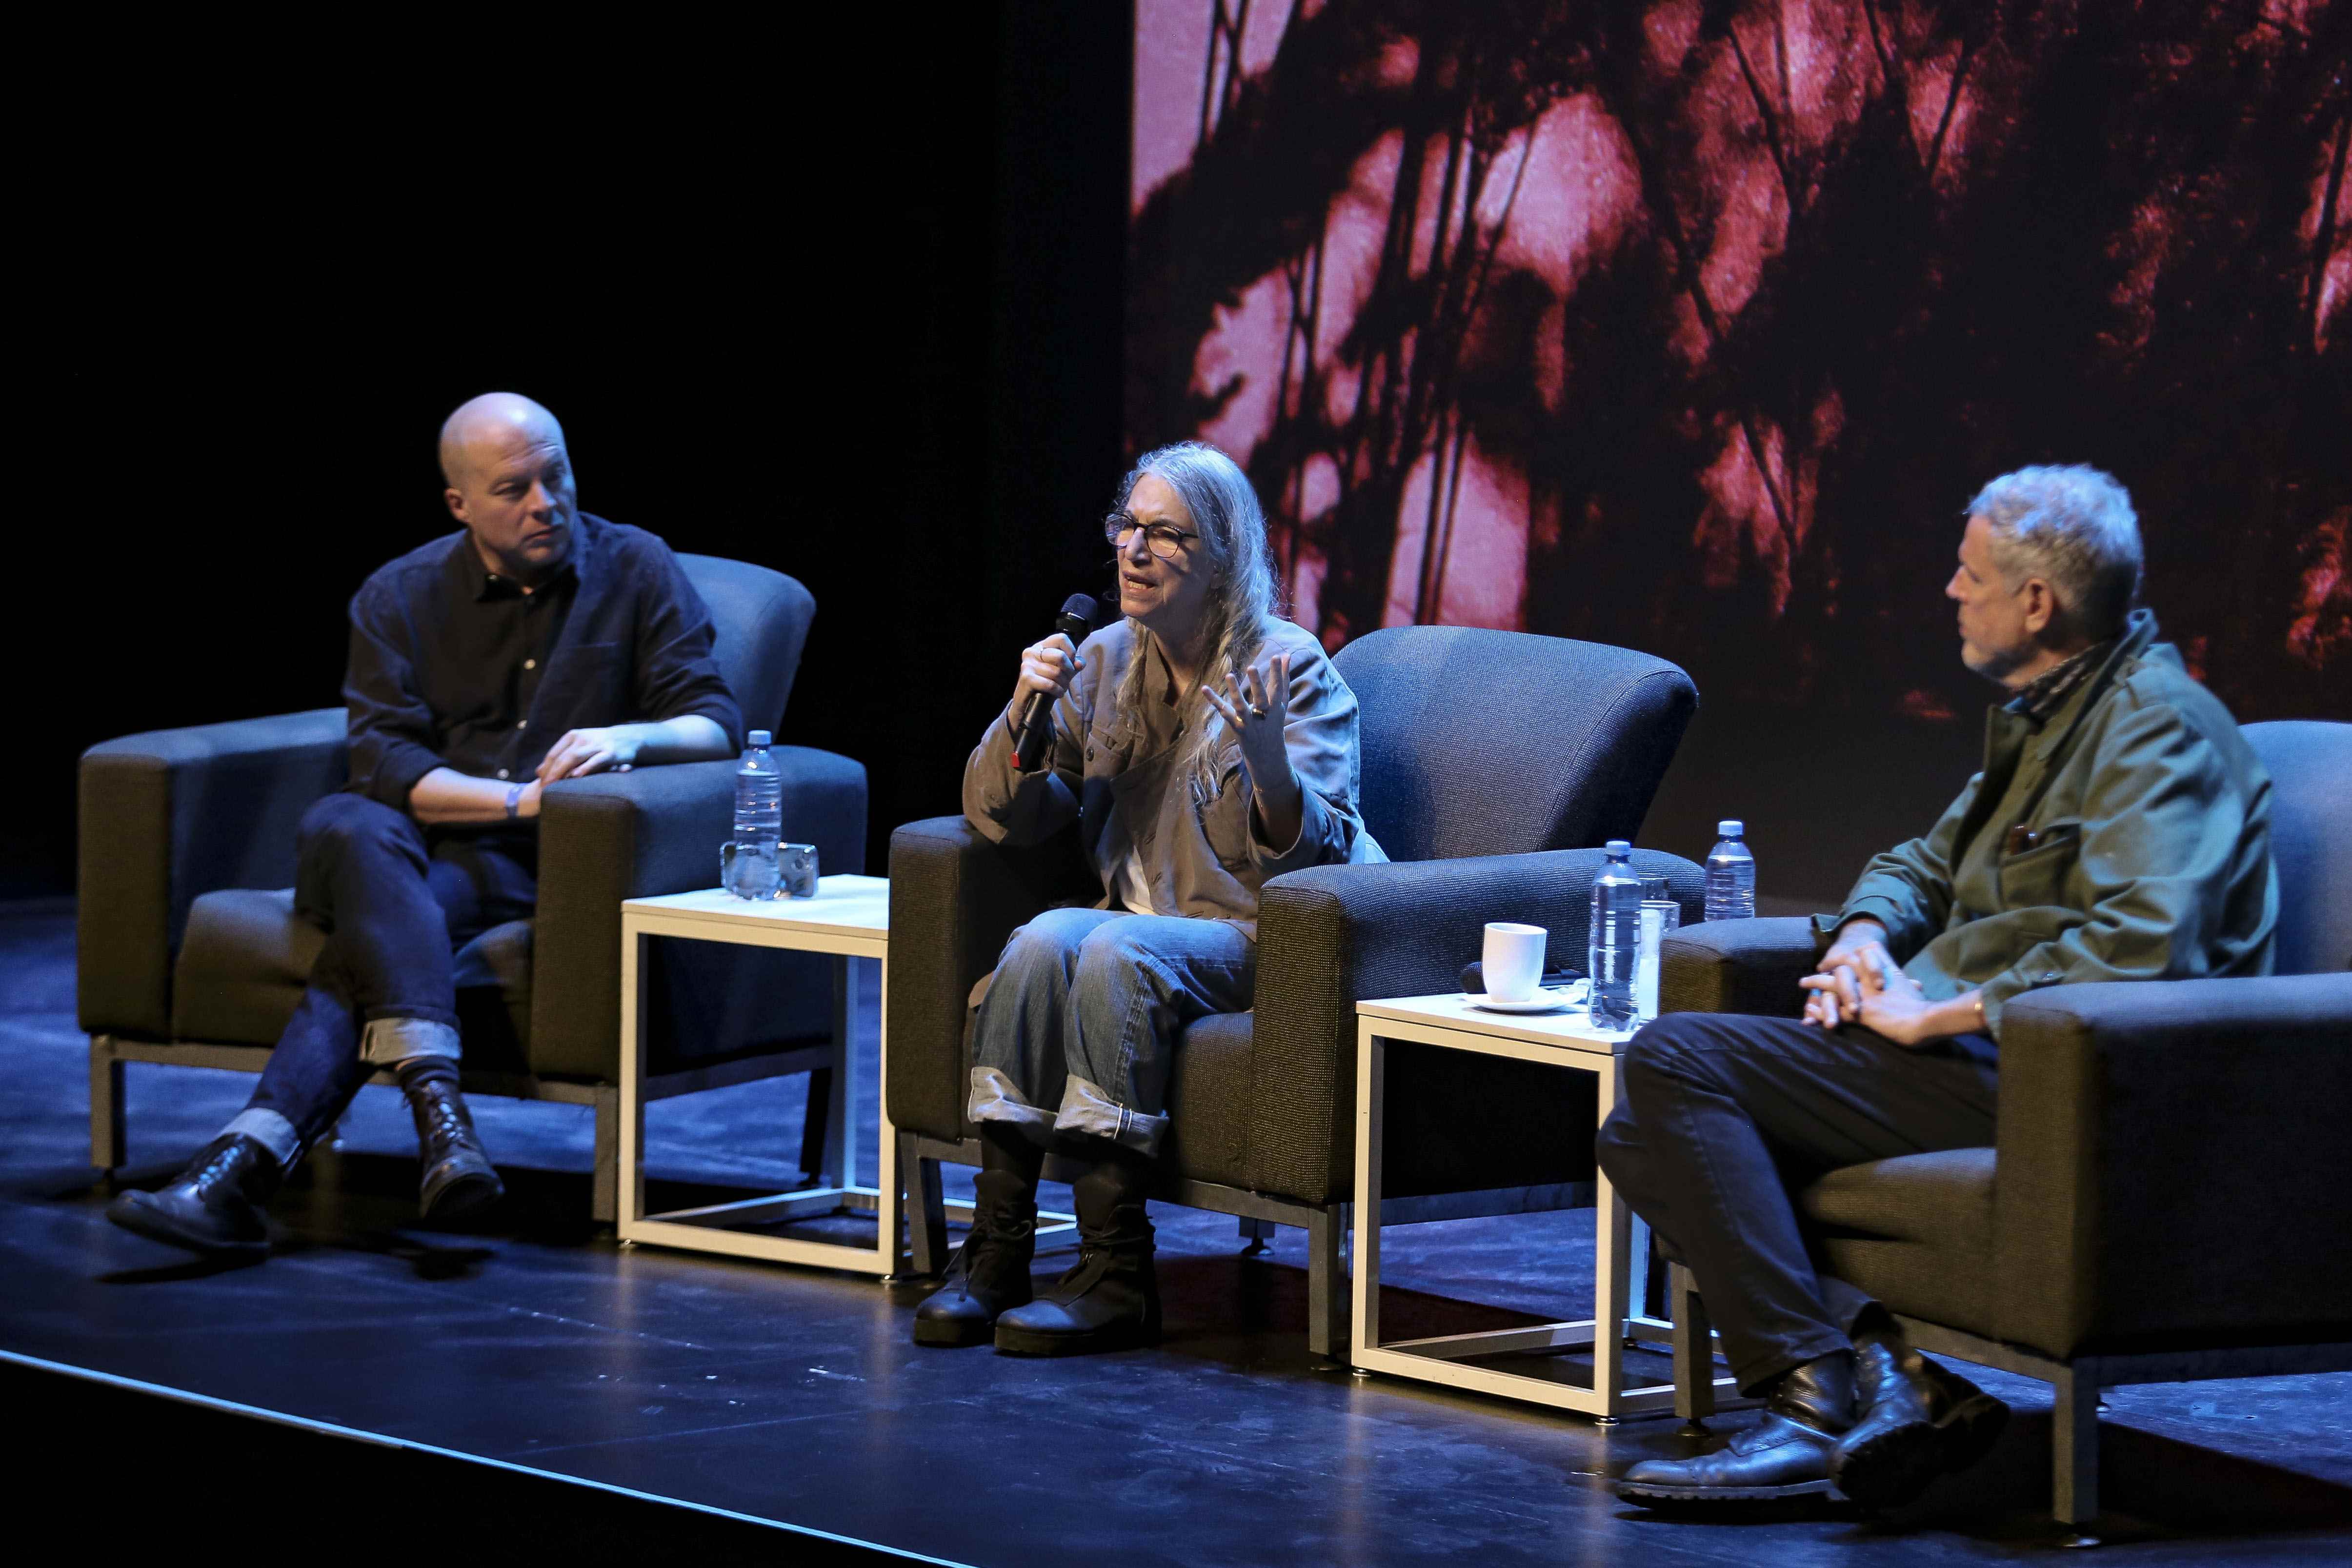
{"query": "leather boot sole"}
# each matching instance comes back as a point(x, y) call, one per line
point(1894, 1466)
point(136, 1216)
point(954, 1333)
point(1662, 1491)
point(1127, 1335)
point(461, 1194)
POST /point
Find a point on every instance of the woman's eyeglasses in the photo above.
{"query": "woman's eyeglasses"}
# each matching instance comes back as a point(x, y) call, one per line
point(1162, 539)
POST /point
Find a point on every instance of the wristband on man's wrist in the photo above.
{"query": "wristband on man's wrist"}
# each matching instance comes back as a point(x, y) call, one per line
point(514, 799)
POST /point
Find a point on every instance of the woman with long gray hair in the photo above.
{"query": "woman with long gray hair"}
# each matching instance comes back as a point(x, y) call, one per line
point(1201, 745)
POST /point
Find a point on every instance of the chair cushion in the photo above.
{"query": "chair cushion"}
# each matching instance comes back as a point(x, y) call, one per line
point(247, 954)
point(1441, 780)
point(242, 966)
point(1916, 1232)
point(2311, 829)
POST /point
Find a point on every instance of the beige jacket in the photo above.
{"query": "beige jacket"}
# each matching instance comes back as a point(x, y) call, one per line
point(1192, 823)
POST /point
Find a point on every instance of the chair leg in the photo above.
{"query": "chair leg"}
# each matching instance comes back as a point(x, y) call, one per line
point(1694, 1347)
point(815, 1124)
point(926, 1210)
point(109, 1141)
point(2074, 1448)
point(1326, 1281)
point(604, 1206)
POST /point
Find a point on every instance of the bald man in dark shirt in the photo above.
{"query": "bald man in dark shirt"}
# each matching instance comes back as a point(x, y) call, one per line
point(536, 645)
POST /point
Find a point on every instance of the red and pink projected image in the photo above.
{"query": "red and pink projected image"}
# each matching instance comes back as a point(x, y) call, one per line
point(1692, 326)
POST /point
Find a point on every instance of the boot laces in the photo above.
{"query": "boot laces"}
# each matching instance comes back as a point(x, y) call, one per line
point(221, 1168)
point(987, 1227)
point(440, 1117)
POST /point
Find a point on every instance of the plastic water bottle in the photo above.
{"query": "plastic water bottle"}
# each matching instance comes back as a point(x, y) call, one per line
point(1616, 928)
point(1730, 875)
point(752, 872)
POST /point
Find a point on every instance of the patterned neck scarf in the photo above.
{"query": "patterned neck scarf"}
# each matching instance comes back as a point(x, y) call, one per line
point(2050, 690)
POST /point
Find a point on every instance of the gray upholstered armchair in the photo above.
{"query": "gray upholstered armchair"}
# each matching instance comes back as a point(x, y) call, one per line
point(191, 951)
point(1489, 759)
point(2169, 1195)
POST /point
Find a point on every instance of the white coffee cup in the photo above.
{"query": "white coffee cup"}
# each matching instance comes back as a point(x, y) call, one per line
point(1513, 961)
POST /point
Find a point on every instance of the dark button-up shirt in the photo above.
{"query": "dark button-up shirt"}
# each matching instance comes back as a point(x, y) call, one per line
point(453, 666)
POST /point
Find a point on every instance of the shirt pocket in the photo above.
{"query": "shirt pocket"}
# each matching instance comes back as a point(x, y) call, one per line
point(1221, 806)
point(2036, 877)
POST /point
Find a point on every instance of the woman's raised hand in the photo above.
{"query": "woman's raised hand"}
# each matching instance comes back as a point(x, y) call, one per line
point(1256, 705)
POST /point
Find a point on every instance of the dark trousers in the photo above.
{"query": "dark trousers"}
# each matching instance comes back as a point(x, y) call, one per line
point(396, 902)
point(1721, 1117)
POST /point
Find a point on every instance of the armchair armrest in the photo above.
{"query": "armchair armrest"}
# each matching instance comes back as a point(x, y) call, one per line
point(171, 814)
point(1335, 935)
point(955, 898)
point(639, 835)
point(2172, 1160)
point(1737, 966)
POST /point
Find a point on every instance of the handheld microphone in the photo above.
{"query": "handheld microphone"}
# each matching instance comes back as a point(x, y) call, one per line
point(1036, 733)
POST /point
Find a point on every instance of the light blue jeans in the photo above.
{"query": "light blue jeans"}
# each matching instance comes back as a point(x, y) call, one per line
point(1083, 1017)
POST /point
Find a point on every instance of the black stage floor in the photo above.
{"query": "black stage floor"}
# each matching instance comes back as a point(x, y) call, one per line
point(794, 1395)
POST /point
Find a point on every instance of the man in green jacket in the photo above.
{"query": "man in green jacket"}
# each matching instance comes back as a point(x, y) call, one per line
point(2119, 831)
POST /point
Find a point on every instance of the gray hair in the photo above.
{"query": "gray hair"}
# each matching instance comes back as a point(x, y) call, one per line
point(1242, 593)
point(2074, 527)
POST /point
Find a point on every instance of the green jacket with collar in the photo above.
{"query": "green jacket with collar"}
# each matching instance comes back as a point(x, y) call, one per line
point(2149, 856)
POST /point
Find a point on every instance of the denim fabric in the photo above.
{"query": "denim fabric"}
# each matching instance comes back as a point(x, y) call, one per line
point(1083, 1015)
point(1721, 1117)
point(396, 902)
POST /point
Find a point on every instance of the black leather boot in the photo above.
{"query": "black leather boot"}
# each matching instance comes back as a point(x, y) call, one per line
point(1110, 1301)
point(1917, 1422)
point(217, 1206)
point(990, 1272)
point(1786, 1455)
point(459, 1177)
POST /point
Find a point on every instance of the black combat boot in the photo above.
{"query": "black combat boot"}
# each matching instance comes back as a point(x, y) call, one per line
point(217, 1206)
point(458, 1178)
point(1110, 1299)
point(990, 1272)
point(1917, 1422)
point(1788, 1454)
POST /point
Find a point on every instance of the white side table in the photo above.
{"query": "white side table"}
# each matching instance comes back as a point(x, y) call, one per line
point(1565, 1039)
point(849, 918)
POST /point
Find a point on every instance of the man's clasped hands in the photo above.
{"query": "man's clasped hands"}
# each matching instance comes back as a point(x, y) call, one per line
point(1859, 982)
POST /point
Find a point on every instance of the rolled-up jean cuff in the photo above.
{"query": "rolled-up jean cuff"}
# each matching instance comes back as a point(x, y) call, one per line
point(1087, 1109)
point(995, 1098)
point(388, 1042)
point(269, 1130)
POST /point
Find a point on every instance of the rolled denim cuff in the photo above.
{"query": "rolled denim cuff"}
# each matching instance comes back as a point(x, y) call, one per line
point(1086, 1109)
point(269, 1130)
point(388, 1042)
point(995, 1098)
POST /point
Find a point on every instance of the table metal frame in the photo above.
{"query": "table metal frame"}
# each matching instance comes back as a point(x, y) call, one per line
point(850, 920)
point(1564, 1040)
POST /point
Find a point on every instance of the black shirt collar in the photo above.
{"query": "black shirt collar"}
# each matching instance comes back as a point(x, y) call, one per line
point(481, 584)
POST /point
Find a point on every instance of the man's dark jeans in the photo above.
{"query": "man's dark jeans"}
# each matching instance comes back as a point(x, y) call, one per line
point(396, 902)
point(1721, 1117)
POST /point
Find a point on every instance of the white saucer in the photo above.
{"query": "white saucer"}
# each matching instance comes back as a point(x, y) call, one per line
point(1548, 1001)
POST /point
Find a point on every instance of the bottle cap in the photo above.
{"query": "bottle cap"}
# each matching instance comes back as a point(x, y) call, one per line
point(1731, 828)
point(1617, 848)
point(758, 737)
